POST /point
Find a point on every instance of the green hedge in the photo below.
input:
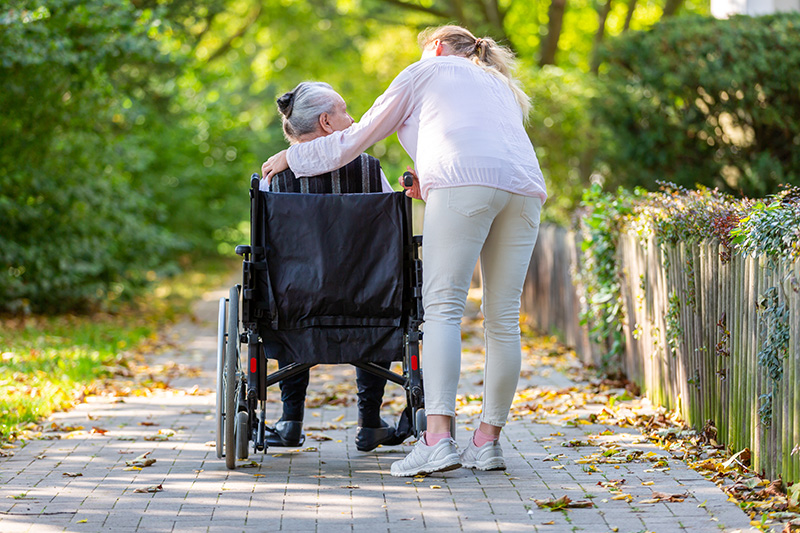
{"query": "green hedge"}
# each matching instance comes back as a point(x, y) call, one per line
point(769, 227)
point(704, 100)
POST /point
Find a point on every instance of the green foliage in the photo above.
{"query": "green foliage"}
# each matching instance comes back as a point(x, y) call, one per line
point(599, 275)
point(703, 100)
point(673, 322)
point(562, 132)
point(74, 229)
point(772, 227)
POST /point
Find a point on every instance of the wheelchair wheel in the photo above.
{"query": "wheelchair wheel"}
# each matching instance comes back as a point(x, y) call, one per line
point(221, 332)
point(231, 378)
point(241, 435)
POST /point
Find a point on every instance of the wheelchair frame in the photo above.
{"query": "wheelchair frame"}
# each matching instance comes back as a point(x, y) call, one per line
point(242, 391)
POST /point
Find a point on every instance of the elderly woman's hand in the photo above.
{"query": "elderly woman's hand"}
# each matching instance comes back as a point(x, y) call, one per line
point(273, 165)
point(413, 191)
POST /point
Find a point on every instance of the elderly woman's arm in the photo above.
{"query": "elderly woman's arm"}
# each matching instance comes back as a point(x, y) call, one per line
point(333, 151)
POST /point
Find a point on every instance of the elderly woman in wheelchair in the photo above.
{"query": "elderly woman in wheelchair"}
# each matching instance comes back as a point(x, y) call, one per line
point(312, 110)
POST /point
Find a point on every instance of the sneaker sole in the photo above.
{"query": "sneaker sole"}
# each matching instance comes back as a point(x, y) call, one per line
point(489, 465)
point(450, 462)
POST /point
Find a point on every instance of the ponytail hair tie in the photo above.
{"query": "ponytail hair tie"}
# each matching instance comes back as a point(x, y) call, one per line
point(285, 104)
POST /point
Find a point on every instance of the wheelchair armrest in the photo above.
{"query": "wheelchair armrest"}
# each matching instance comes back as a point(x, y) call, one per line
point(243, 249)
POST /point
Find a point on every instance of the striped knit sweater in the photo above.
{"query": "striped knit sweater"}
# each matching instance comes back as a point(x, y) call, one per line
point(363, 174)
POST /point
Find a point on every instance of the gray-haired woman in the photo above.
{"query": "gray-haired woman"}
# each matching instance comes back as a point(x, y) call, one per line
point(312, 110)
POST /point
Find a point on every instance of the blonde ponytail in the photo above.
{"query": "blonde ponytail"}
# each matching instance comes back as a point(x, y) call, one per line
point(494, 58)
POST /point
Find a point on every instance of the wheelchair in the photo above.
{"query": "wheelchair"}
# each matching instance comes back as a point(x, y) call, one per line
point(327, 279)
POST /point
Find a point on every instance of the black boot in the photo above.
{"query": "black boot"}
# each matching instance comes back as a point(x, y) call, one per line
point(285, 433)
point(367, 439)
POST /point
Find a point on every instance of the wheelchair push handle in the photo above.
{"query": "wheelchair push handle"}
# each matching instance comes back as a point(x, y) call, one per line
point(408, 179)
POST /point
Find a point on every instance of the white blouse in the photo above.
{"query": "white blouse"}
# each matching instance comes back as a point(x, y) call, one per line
point(460, 125)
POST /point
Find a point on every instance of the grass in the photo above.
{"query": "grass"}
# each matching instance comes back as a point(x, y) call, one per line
point(47, 363)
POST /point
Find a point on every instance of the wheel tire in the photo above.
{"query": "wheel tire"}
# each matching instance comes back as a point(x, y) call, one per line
point(420, 422)
point(231, 378)
point(242, 437)
point(221, 332)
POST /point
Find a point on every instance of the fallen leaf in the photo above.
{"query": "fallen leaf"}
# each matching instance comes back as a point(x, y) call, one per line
point(153, 488)
point(147, 423)
point(563, 502)
point(72, 474)
point(319, 437)
point(349, 487)
point(436, 486)
point(664, 497)
point(141, 461)
point(99, 431)
point(82, 521)
point(251, 464)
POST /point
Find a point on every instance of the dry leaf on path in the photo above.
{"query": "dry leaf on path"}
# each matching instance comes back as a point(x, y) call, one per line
point(563, 502)
point(319, 437)
point(664, 497)
point(98, 431)
point(141, 461)
point(72, 474)
point(153, 488)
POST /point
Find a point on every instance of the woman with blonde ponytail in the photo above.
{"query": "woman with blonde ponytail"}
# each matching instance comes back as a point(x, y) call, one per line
point(459, 113)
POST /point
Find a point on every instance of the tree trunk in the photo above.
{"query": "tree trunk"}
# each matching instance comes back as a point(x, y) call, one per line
point(555, 20)
point(629, 14)
point(602, 16)
point(671, 7)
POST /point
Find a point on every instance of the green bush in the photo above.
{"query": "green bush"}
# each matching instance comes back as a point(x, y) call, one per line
point(563, 134)
point(75, 231)
point(704, 100)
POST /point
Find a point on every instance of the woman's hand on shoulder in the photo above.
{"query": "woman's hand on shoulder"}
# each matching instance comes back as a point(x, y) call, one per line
point(275, 164)
point(413, 191)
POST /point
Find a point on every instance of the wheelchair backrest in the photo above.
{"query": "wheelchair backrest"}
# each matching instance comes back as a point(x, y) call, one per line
point(331, 259)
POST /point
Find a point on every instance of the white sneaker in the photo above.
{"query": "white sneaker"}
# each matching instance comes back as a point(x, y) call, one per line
point(425, 459)
point(487, 457)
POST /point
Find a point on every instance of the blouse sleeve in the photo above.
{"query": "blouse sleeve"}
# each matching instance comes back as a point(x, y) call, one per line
point(333, 151)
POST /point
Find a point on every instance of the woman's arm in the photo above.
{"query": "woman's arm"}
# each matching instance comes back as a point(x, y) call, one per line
point(333, 151)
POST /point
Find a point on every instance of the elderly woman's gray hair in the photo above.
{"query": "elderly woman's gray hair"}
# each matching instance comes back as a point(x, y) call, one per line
point(302, 106)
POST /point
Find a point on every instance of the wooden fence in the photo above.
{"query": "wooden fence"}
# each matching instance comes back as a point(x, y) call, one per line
point(693, 333)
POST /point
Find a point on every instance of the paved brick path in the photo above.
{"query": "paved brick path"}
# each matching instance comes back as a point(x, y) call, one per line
point(328, 485)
